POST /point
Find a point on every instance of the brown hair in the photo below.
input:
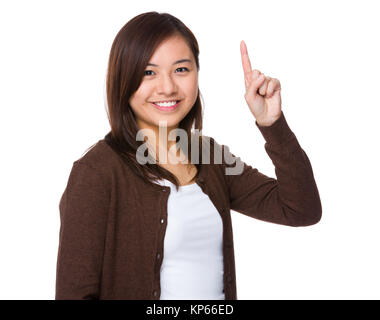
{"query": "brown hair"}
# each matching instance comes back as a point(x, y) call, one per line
point(131, 50)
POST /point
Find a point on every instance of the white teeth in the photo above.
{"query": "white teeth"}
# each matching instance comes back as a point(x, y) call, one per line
point(166, 104)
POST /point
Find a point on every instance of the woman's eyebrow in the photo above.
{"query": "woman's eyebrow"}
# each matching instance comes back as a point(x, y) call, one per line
point(178, 61)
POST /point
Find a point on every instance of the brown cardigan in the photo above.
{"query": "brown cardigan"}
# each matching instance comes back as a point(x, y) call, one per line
point(113, 223)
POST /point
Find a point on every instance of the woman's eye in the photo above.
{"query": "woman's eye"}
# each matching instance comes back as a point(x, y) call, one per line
point(147, 71)
point(186, 69)
point(183, 68)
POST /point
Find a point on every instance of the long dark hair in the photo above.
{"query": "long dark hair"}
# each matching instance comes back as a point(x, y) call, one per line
point(131, 50)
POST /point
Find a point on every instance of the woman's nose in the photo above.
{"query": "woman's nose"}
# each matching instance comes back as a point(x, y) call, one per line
point(166, 85)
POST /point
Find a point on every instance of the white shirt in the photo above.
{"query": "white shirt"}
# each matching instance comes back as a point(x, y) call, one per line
point(192, 266)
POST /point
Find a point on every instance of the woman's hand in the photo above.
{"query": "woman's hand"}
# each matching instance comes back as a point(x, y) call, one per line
point(262, 94)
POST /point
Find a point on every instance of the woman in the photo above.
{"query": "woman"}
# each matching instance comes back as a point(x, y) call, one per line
point(137, 229)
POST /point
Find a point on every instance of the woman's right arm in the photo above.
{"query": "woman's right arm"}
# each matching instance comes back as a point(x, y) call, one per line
point(83, 213)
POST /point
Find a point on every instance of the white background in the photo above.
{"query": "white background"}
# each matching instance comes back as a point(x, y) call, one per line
point(326, 56)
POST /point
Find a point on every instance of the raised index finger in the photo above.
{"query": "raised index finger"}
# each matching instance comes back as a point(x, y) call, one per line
point(245, 59)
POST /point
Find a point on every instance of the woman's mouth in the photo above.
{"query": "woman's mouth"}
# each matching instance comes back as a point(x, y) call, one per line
point(167, 106)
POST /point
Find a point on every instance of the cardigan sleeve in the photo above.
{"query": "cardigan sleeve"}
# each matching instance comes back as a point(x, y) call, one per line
point(83, 214)
point(292, 199)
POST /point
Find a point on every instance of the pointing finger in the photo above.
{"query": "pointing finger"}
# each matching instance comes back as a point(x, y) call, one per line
point(245, 59)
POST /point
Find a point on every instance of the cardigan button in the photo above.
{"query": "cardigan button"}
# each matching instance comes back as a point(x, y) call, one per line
point(155, 293)
point(229, 278)
point(162, 220)
point(201, 180)
point(158, 256)
point(163, 190)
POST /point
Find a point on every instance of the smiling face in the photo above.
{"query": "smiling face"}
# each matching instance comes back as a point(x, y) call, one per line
point(166, 79)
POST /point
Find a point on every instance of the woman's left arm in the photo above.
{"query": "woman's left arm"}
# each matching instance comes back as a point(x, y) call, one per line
point(293, 198)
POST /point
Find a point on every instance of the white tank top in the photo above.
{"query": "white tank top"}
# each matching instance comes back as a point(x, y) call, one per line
point(192, 266)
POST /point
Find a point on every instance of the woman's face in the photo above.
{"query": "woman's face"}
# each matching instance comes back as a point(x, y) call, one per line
point(166, 80)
